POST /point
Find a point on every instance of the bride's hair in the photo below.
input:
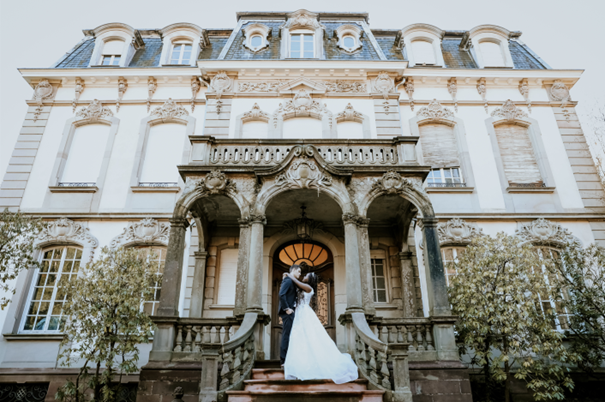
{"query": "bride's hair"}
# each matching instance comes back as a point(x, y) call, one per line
point(313, 279)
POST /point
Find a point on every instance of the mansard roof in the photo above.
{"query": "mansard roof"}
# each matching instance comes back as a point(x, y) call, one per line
point(377, 44)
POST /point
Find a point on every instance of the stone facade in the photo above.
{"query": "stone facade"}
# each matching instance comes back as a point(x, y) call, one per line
point(396, 162)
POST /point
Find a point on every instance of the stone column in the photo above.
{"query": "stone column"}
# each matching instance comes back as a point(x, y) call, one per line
point(199, 281)
point(367, 297)
point(242, 268)
point(255, 272)
point(439, 304)
point(173, 269)
point(408, 288)
point(353, 269)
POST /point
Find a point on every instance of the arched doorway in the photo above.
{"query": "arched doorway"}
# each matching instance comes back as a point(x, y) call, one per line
point(313, 257)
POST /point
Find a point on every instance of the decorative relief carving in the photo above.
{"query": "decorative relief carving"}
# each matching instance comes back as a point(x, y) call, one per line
point(345, 86)
point(356, 219)
point(452, 88)
point(122, 87)
point(349, 114)
point(542, 231)
point(560, 92)
point(195, 88)
point(247, 187)
point(266, 86)
point(482, 89)
point(392, 183)
point(384, 84)
point(146, 231)
point(65, 230)
point(301, 106)
point(524, 89)
point(457, 231)
point(255, 114)
point(152, 85)
point(168, 110)
point(304, 173)
point(435, 111)
point(94, 111)
point(43, 92)
point(409, 89)
point(78, 89)
point(509, 111)
point(215, 182)
point(302, 19)
point(256, 29)
point(219, 84)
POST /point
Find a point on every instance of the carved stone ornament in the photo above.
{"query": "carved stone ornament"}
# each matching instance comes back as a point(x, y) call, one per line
point(509, 111)
point(482, 90)
point(345, 86)
point(542, 231)
point(195, 88)
point(392, 183)
point(349, 114)
point(255, 114)
point(302, 19)
point(94, 111)
point(457, 231)
point(78, 89)
point(271, 86)
point(146, 231)
point(304, 173)
point(168, 110)
point(215, 182)
point(452, 88)
point(220, 83)
point(435, 111)
point(560, 92)
point(301, 106)
point(355, 219)
point(383, 84)
point(65, 230)
point(409, 89)
point(43, 91)
point(152, 86)
point(122, 87)
point(524, 89)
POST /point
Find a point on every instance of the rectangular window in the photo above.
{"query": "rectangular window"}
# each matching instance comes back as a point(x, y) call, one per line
point(85, 156)
point(546, 304)
point(448, 255)
point(151, 306)
point(226, 277)
point(445, 177)
point(301, 46)
point(517, 152)
point(181, 53)
point(45, 307)
point(111, 60)
point(379, 282)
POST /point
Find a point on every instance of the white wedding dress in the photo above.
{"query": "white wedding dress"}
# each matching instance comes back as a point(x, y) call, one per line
point(311, 353)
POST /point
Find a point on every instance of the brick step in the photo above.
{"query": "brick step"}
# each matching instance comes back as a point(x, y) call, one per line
point(268, 374)
point(307, 396)
point(304, 386)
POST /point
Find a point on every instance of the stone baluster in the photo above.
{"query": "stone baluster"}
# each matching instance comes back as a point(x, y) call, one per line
point(226, 370)
point(197, 343)
point(429, 338)
point(392, 334)
point(188, 339)
point(206, 336)
point(384, 334)
point(420, 338)
point(217, 334)
point(227, 336)
point(179, 339)
point(384, 370)
point(408, 330)
point(372, 366)
point(237, 365)
point(399, 334)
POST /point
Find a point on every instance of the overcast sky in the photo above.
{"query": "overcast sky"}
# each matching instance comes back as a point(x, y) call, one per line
point(566, 34)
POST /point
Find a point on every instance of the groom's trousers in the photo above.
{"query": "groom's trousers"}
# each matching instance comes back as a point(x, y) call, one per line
point(287, 320)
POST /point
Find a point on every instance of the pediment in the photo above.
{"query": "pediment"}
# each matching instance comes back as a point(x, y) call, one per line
point(297, 84)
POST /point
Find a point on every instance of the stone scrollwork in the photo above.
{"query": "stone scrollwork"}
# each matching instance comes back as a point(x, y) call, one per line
point(383, 84)
point(152, 86)
point(65, 230)
point(94, 111)
point(78, 89)
point(482, 90)
point(146, 231)
point(560, 92)
point(304, 173)
point(195, 88)
point(44, 91)
point(509, 111)
point(457, 231)
point(349, 114)
point(409, 89)
point(169, 110)
point(265, 86)
point(215, 182)
point(345, 86)
point(524, 89)
point(122, 87)
point(452, 88)
point(392, 183)
point(255, 114)
point(301, 106)
point(542, 231)
point(435, 111)
point(302, 19)
point(220, 84)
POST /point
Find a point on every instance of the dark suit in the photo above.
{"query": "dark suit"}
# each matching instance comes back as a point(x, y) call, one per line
point(287, 300)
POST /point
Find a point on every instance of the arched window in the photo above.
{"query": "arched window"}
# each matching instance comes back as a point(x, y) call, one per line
point(163, 153)
point(302, 45)
point(313, 255)
point(151, 306)
point(517, 153)
point(85, 155)
point(348, 42)
point(112, 52)
point(491, 54)
point(44, 311)
point(423, 52)
point(181, 53)
point(256, 41)
point(302, 127)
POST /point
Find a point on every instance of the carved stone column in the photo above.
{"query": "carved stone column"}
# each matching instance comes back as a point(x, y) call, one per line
point(439, 304)
point(367, 298)
point(407, 284)
point(173, 269)
point(255, 271)
point(242, 268)
point(353, 269)
point(199, 280)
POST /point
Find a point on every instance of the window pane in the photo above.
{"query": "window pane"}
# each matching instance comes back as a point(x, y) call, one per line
point(380, 284)
point(349, 42)
point(381, 296)
point(256, 41)
point(116, 60)
point(106, 60)
point(423, 52)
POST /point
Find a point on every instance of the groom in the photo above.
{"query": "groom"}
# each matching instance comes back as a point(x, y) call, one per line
point(287, 303)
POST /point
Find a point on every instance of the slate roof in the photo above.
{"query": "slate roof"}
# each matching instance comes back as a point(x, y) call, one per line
point(454, 57)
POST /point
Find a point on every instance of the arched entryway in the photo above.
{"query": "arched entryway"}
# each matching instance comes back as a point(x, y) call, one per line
point(313, 257)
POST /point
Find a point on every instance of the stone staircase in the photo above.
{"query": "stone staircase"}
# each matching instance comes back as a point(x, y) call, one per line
point(268, 384)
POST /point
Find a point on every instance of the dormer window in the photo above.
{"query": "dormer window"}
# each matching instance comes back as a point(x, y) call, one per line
point(301, 45)
point(112, 53)
point(349, 37)
point(492, 54)
point(256, 41)
point(423, 52)
point(181, 53)
point(115, 44)
point(489, 45)
point(111, 60)
point(348, 42)
point(422, 45)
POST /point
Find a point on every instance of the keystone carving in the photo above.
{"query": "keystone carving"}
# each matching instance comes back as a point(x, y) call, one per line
point(65, 230)
point(304, 173)
point(255, 114)
point(146, 231)
point(94, 111)
point(392, 183)
point(301, 106)
point(542, 231)
point(383, 84)
point(302, 19)
point(349, 114)
point(457, 231)
point(215, 182)
point(509, 111)
point(168, 110)
point(219, 84)
point(435, 111)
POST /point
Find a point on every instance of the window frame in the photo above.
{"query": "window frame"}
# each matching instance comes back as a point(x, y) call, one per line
point(112, 59)
point(32, 285)
point(455, 252)
point(217, 274)
point(155, 303)
point(302, 34)
point(182, 44)
point(553, 304)
point(502, 53)
point(429, 43)
point(344, 40)
point(381, 254)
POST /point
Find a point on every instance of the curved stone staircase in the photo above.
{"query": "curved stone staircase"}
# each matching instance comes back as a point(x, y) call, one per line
point(268, 384)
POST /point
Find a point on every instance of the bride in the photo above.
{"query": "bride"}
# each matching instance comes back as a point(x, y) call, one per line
point(312, 353)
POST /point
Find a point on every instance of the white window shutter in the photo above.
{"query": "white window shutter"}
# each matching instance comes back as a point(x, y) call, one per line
point(227, 276)
point(517, 154)
point(439, 145)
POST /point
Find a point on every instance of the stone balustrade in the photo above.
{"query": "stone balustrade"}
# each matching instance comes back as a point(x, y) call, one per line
point(416, 332)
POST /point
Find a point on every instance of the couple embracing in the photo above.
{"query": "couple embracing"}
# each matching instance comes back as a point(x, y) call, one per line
point(307, 351)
